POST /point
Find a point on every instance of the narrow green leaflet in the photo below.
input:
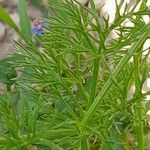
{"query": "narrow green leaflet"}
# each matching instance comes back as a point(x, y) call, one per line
point(24, 18)
point(7, 72)
point(4, 16)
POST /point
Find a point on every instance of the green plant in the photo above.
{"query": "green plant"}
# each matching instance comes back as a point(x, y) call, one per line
point(74, 88)
point(8, 72)
point(6, 19)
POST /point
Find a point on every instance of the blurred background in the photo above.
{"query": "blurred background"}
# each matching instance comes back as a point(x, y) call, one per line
point(36, 9)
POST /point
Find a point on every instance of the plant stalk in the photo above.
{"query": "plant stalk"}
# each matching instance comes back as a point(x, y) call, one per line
point(138, 96)
point(94, 80)
point(138, 92)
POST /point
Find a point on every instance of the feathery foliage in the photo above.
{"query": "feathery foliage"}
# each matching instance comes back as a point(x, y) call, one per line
point(73, 92)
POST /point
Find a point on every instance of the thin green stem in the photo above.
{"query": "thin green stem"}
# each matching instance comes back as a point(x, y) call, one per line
point(72, 96)
point(138, 95)
point(68, 91)
point(94, 80)
point(84, 143)
point(67, 106)
point(84, 94)
point(138, 92)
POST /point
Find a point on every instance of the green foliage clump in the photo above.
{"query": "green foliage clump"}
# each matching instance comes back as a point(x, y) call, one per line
point(73, 89)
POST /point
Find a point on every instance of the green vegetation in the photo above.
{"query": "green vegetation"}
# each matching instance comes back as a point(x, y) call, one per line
point(73, 89)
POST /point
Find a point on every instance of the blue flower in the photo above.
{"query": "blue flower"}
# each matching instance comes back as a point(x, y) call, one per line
point(37, 32)
point(37, 28)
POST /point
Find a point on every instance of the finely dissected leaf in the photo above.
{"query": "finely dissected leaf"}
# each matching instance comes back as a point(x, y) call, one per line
point(78, 101)
point(7, 72)
point(4, 16)
point(24, 18)
point(84, 143)
point(119, 67)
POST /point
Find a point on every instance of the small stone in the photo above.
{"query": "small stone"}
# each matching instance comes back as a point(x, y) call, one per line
point(2, 31)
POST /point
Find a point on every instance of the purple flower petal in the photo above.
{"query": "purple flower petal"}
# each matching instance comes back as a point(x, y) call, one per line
point(37, 32)
point(37, 28)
